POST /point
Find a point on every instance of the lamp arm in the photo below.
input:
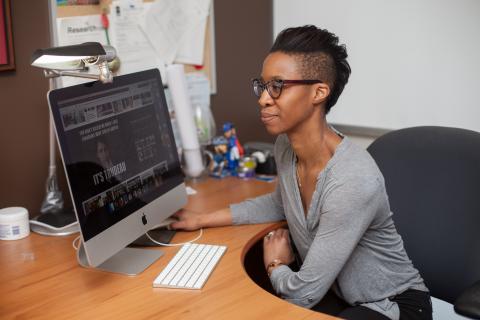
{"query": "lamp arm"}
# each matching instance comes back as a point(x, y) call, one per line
point(105, 75)
point(51, 73)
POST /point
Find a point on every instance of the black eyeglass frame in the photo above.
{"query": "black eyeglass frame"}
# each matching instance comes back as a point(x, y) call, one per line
point(266, 85)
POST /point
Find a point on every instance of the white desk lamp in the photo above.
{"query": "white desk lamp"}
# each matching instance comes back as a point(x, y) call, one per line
point(54, 219)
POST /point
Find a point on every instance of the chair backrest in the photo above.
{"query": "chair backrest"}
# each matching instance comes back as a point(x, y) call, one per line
point(432, 176)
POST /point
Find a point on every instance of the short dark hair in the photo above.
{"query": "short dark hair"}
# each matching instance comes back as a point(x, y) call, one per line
point(319, 56)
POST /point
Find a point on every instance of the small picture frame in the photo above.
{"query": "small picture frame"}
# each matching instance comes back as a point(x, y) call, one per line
point(7, 57)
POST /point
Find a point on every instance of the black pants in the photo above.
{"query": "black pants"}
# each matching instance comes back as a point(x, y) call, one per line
point(413, 305)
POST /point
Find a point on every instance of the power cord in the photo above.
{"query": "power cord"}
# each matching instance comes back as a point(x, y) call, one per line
point(76, 241)
point(174, 244)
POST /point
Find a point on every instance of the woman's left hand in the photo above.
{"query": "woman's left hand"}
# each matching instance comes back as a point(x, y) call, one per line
point(276, 245)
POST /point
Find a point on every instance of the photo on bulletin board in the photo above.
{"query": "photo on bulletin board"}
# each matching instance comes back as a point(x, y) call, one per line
point(7, 61)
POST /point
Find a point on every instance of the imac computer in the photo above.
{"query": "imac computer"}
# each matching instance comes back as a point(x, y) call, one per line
point(121, 164)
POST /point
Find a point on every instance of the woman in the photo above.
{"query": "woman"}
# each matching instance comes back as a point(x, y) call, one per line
point(330, 191)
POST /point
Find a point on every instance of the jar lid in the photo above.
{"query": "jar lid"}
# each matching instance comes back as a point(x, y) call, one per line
point(13, 214)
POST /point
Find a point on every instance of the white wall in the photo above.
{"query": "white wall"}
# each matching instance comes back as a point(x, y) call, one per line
point(414, 62)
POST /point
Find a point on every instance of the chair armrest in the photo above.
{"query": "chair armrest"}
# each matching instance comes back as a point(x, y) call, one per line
point(468, 303)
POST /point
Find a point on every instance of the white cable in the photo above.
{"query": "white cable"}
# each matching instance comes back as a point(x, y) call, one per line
point(76, 247)
point(73, 243)
point(174, 244)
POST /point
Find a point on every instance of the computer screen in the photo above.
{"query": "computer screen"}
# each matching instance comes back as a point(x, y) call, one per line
point(120, 159)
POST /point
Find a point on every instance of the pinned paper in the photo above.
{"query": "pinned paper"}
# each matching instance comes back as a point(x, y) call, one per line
point(173, 28)
point(133, 47)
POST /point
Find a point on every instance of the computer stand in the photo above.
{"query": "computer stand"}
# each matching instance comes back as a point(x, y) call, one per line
point(128, 261)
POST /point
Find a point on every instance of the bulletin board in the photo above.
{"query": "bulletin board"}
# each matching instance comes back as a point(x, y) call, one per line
point(208, 66)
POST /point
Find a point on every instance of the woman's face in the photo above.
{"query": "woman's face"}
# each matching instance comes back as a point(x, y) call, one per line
point(284, 114)
point(102, 152)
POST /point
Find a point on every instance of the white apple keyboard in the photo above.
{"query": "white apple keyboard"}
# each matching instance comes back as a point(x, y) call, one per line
point(190, 267)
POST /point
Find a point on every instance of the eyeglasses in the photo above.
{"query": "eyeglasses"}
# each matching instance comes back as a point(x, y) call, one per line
point(274, 87)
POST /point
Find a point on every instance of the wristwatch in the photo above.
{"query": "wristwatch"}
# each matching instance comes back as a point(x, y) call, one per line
point(275, 263)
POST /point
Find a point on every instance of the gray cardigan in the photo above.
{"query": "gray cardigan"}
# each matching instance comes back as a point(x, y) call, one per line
point(347, 241)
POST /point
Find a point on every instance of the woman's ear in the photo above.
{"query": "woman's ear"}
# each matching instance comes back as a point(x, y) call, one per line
point(321, 93)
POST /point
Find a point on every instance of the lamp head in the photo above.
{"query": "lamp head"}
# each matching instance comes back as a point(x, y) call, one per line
point(76, 57)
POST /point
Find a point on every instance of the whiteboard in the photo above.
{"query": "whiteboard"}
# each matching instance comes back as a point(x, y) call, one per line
point(414, 62)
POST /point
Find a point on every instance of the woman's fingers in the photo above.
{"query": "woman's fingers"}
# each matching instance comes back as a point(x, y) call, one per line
point(177, 225)
point(277, 235)
point(280, 233)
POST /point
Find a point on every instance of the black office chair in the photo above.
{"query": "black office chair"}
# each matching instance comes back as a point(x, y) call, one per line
point(432, 176)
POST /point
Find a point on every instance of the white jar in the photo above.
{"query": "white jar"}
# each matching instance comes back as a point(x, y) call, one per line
point(14, 223)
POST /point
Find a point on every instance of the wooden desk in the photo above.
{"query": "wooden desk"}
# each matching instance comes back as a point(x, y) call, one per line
point(40, 277)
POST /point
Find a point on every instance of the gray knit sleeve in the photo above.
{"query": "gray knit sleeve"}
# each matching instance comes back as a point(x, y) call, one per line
point(266, 208)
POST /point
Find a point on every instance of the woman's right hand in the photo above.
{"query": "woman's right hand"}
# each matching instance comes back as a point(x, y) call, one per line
point(186, 220)
point(189, 220)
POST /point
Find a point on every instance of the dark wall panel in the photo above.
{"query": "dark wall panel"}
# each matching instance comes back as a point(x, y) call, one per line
point(243, 34)
point(24, 112)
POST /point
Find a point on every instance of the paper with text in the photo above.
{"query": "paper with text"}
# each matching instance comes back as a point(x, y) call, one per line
point(133, 47)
